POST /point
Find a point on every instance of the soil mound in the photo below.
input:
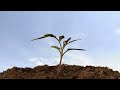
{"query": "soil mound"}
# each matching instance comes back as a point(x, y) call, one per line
point(63, 72)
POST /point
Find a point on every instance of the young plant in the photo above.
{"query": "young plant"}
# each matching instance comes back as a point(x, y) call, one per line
point(62, 46)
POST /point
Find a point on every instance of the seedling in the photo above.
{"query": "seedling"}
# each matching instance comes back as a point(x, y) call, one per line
point(62, 45)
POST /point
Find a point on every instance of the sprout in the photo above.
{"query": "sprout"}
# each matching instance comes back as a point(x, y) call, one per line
point(62, 46)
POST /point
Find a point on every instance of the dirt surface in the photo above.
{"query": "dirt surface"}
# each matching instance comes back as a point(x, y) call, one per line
point(63, 72)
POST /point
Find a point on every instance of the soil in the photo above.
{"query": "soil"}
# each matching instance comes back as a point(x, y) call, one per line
point(60, 72)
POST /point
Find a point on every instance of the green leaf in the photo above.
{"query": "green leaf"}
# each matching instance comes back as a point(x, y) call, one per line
point(74, 40)
point(49, 35)
point(61, 37)
point(37, 38)
point(68, 39)
point(66, 42)
point(75, 49)
point(55, 47)
point(46, 35)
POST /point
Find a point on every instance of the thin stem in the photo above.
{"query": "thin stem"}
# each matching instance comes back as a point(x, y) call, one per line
point(65, 52)
point(60, 46)
point(63, 47)
point(61, 56)
point(61, 52)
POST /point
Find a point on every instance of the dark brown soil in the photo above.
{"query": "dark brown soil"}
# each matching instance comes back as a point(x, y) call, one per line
point(63, 72)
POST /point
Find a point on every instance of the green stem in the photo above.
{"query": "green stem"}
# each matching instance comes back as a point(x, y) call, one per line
point(61, 51)
point(61, 56)
point(65, 52)
point(60, 45)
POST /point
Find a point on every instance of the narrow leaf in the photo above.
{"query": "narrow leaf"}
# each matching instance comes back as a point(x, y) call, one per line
point(49, 35)
point(75, 49)
point(74, 40)
point(68, 39)
point(55, 47)
point(46, 35)
point(66, 42)
point(38, 38)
